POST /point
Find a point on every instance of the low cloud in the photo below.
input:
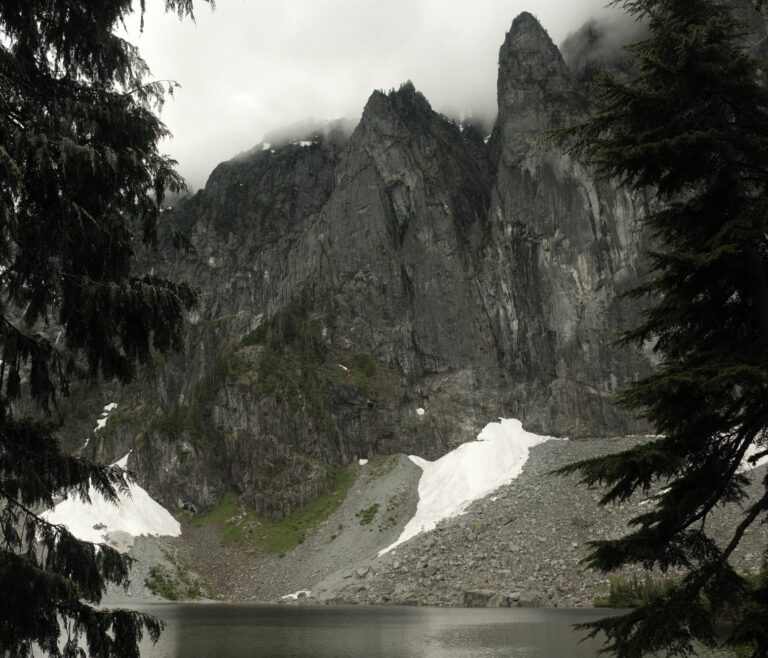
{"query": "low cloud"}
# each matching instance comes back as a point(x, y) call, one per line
point(600, 44)
point(252, 67)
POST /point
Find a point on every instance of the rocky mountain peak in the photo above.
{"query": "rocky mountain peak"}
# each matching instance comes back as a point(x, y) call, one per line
point(388, 111)
point(440, 282)
point(528, 38)
point(533, 86)
point(527, 23)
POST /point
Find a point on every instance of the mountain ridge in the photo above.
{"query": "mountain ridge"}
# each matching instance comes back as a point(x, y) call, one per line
point(347, 281)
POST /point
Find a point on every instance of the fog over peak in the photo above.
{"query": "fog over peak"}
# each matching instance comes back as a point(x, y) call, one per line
point(309, 129)
point(252, 68)
point(600, 43)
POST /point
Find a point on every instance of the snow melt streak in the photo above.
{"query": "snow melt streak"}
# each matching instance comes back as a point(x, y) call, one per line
point(470, 472)
point(135, 513)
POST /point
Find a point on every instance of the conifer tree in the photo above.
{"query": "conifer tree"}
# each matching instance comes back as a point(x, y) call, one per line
point(691, 126)
point(81, 186)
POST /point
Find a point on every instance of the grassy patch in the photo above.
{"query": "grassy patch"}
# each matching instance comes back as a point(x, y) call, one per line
point(238, 524)
point(743, 651)
point(360, 372)
point(227, 509)
point(633, 592)
point(367, 515)
point(281, 536)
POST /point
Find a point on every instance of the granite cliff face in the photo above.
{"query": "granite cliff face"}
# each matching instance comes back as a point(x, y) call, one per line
point(347, 282)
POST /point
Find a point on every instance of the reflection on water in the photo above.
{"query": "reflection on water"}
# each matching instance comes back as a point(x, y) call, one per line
point(240, 631)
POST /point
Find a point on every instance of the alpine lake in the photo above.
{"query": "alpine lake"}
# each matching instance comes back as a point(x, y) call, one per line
point(261, 631)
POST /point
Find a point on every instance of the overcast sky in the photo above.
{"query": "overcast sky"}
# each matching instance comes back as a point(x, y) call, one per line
point(254, 66)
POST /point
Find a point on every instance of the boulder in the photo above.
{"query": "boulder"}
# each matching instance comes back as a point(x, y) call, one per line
point(532, 599)
point(481, 598)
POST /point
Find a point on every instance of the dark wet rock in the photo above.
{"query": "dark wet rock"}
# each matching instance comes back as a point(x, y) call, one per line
point(464, 279)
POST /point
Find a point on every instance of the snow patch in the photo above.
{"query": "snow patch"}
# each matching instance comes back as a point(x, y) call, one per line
point(475, 469)
point(655, 498)
point(420, 411)
point(362, 462)
point(753, 450)
point(266, 146)
point(295, 596)
point(134, 514)
point(101, 422)
point(305, 143)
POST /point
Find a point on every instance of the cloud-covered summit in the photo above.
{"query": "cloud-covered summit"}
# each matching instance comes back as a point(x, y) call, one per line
point(250, 68)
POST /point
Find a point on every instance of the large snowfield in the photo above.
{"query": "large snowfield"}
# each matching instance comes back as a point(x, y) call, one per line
point(449, 485)
point(135, 514)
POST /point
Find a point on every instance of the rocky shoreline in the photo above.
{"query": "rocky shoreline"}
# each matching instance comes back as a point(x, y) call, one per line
point(524, 545)
point(521, 546)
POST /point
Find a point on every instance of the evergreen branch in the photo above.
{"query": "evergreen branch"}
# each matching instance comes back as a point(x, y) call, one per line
point(149, 85)
point(752, 167)
point(757, 457)
point(703, 154)
point(754, 511)
point(755, 179)
point(33, 469)
point(79, 156)
point(57, 529)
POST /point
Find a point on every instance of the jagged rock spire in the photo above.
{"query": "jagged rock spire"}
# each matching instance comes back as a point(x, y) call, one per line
point(404, 104)
point(534, 82)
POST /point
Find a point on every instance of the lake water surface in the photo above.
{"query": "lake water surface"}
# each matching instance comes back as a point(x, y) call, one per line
point(240, 631)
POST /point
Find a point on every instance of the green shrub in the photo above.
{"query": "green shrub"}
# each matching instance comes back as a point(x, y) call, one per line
point(194, 419)
point(365, 363)
point(174, 421)
point(296, 363)
point(292, 328)
point(633, 592)
point(337, 533)
point(367, 515)
point(173, 586)
point(293, 352)
point(743, 651)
